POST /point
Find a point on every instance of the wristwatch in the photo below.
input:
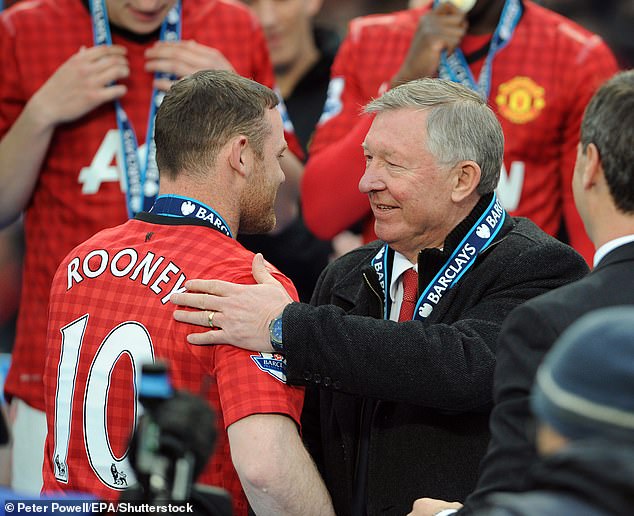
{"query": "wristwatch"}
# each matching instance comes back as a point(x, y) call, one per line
point(275, 334)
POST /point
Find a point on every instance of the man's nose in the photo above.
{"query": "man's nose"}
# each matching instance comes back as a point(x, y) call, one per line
point(266, 11)
point(371, 180)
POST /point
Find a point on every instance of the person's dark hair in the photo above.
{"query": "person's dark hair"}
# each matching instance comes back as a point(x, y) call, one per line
point(608, 122)
point(202, 112)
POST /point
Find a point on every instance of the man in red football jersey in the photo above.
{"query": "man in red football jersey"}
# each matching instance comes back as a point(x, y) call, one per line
point(77, 101)
point(537, 70)
point(219, 144)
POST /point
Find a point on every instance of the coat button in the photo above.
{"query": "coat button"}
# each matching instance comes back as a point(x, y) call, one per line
point(327, 381)
point(307, 376)
point(317, 378)
point(337, 384)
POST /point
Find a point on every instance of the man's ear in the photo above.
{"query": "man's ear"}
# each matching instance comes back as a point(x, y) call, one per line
point(592, 171)
point(466, 178)
point(239, 155)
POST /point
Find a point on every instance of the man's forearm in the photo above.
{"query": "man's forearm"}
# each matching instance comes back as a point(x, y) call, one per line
point(22, 152)
point(293, 489)
point(277, 474)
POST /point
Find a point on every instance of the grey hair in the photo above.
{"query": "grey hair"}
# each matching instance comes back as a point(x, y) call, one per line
point(460, 125)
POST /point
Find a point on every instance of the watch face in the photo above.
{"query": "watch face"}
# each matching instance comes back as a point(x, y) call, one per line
point(276, 329)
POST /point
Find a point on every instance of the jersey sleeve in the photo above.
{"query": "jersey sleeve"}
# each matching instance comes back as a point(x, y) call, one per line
point(594, 64)
point(331, 200)
point(254, 383)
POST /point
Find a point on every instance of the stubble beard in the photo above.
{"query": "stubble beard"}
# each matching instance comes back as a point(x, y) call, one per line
point(257, 214)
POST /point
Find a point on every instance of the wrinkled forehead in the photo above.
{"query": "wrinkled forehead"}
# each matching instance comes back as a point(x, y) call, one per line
point(398, 129)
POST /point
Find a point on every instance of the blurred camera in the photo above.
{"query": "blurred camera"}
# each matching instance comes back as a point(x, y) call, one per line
point(173, 440)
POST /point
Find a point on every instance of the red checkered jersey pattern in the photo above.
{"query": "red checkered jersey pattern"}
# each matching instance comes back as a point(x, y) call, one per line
point(540, 85)
point(79, 191)
point(109, 309)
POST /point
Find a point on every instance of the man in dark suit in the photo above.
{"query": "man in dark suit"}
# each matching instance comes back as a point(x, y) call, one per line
point(402, 345)
point(603, 186)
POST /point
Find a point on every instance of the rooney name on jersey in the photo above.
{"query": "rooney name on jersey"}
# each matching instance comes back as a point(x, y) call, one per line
point(149, 270)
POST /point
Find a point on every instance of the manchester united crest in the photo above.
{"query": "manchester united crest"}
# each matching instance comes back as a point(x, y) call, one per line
point(520, 100)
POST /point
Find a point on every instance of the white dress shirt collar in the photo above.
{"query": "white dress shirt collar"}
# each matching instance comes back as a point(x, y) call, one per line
point(611, 246)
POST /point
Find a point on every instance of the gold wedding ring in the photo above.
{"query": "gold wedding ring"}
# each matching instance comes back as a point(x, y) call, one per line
point(210, 319)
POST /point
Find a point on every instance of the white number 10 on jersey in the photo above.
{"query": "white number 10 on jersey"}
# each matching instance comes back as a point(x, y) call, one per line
point(130, 338)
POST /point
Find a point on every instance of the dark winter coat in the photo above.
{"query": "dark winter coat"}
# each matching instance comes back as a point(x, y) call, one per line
point(527, 335)
point(423, 389)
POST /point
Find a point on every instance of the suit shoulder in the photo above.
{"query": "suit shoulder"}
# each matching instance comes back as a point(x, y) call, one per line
point(527, 252)
point(527, 233)
point(594, 290)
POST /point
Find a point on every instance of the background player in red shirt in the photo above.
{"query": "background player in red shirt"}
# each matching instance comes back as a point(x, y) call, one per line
point(219, 143)
point(537, 69)
point(61, 156)
point(302, 53)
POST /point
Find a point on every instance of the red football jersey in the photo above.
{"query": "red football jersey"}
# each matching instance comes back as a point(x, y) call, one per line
point(79, 191)
point(541, 82)
point(109, 313)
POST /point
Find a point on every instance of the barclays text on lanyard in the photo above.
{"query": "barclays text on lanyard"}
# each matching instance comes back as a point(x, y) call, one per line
point(179, 206)
point(142, 180)
point(464, 256)
point(455, 67)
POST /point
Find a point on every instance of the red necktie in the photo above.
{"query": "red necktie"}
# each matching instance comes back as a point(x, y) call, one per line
point(410, 295)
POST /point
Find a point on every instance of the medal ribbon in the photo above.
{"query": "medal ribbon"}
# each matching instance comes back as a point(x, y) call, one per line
point(478, 238)
point(142, 182)
point(455, 68)
point(179, 206)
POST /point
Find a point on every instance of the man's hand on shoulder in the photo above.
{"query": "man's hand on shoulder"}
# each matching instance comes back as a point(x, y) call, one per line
point(240, 314)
